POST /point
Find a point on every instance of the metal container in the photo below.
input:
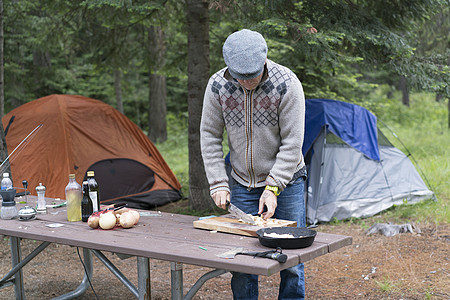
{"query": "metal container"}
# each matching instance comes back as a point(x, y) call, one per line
point(27, 213)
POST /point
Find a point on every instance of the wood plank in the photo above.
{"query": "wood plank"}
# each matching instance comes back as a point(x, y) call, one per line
point(334, 241)
point(234, 226)
point(310, 253)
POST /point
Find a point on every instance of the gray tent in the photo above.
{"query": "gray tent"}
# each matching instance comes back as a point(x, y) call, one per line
point(353, 170)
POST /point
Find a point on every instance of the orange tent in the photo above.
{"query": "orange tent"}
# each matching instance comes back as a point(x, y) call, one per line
point(80, 134)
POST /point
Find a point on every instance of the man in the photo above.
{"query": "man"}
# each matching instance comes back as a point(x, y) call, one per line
point(262, 106)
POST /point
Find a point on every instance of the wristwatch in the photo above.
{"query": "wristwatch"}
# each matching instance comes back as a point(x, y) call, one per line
point(274, 189)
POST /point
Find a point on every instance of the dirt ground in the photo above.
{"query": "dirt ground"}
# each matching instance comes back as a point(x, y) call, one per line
point(405, 266)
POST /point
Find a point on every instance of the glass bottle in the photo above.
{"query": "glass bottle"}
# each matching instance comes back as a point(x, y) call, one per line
point(73, 198)
point(94, 190)
point(86, 203)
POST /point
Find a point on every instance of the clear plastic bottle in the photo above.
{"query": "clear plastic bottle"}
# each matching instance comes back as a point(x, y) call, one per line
point(73, 198)
point(6, 182)
point(94, 190)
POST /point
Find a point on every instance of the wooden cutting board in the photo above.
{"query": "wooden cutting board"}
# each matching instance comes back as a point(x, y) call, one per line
point(230, 225)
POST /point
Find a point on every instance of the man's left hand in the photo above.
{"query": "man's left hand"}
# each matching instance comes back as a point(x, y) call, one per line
point(269, 200)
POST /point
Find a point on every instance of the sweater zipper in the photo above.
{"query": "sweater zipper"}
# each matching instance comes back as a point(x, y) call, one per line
point(249, 133)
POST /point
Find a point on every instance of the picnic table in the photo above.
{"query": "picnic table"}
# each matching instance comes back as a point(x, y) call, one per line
point(163, 236)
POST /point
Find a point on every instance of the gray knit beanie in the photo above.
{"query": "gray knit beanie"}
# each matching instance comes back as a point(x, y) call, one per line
point(245, 54)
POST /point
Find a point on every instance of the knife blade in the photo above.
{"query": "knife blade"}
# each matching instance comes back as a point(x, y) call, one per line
point(235, 211)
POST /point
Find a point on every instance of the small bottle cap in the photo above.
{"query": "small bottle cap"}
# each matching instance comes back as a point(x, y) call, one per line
point(40, 188)
point(72, 176)
point(90, 173)
point(5, 174)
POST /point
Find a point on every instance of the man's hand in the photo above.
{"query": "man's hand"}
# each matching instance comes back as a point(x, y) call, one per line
point(269, 200)
point(221, 198)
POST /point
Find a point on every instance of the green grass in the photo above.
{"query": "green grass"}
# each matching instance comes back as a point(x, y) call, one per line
point(386, 285)
point(176, 154)
point(422, 128)
point(175, 150)
point(422, 132)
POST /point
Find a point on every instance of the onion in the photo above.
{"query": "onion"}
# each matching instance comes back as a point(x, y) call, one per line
point(122, 210)
point(107, 220)
point(93, 221)
point(127, 220)
point(136, 215)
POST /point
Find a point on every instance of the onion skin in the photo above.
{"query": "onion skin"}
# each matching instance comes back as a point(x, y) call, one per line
point(127, 220)
point(136, 215)
point(107, 220)
point(93, 221)
point(122, 210)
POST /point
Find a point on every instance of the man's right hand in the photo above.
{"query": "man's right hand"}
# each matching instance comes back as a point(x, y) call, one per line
point(221, 198)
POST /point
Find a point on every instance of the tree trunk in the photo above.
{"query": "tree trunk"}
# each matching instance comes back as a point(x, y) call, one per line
point(198, 75)
point(118, 90)
point(405, 92)
point(157, 110)
point(2, 67)
point(3, 147)
point(4, 151)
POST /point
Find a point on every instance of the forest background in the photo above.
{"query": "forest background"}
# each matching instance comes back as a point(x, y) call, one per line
point(151, 60)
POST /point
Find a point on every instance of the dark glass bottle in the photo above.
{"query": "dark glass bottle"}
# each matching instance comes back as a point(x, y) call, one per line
point(94, 190)
point(86, 203)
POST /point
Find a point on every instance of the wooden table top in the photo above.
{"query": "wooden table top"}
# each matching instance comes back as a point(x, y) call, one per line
point(165, 236)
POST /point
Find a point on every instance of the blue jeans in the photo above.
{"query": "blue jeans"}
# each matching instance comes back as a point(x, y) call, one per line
point(291, 206)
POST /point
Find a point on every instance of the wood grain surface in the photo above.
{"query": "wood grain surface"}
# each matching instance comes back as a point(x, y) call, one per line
point(230, 225)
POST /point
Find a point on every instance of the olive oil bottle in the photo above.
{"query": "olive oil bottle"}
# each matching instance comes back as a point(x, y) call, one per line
point(94, 190)
point(73, 198)
point(86, 203)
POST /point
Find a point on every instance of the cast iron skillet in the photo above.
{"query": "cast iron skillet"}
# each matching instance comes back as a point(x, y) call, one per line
point(303, 237)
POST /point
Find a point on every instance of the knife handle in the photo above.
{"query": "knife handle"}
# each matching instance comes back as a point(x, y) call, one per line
point(278, 256)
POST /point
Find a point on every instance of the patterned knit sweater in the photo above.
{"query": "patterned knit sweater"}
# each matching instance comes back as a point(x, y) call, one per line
point(265, 129)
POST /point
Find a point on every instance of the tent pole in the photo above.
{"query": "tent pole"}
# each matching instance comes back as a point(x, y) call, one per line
point(178, 191)
point(410, 154)
point(25, 139)
point(386, 179)
point(322, 161)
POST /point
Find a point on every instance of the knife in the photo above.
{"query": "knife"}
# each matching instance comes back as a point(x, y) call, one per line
point(235, 211)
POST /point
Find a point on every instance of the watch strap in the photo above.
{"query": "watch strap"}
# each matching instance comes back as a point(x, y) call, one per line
point(274, 189)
